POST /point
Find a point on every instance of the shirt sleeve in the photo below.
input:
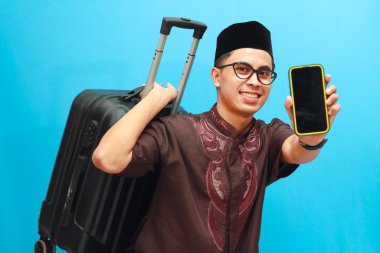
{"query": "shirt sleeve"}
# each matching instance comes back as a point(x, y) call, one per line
point(146, 154)
point(279, 132)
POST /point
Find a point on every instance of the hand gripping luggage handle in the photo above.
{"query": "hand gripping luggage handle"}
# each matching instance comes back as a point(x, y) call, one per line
point(167, 24)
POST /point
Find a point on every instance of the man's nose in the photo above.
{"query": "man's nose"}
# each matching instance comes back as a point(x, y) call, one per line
point(254, 80)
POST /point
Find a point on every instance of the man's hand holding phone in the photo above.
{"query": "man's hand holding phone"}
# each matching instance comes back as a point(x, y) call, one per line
point(311, 116)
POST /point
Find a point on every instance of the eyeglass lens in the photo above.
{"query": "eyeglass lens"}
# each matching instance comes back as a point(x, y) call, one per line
point(245, 71)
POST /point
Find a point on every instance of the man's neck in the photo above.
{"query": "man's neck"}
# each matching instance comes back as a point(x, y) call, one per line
point(239, 122)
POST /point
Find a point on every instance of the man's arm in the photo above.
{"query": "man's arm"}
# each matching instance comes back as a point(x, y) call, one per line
point(114, 151)
point(292, 151)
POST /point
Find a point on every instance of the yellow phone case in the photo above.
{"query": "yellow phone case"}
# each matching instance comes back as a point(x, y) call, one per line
point(294, 105)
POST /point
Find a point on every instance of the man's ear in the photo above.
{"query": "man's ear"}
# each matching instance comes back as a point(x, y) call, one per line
point(215, 75)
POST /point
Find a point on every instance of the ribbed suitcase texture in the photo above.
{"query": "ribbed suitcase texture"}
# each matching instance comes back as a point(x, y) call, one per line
point(85, 207)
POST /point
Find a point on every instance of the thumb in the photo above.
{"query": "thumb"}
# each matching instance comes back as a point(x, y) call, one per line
point(172, 89)
point(289, 107)
point(169, 85)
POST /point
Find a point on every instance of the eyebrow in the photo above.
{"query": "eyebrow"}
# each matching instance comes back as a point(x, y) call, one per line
point(261, 67)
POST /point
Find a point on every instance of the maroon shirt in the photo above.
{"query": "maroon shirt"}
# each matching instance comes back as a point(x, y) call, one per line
point(210, 193)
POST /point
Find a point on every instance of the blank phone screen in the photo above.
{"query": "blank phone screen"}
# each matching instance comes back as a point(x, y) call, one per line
point(309, 99)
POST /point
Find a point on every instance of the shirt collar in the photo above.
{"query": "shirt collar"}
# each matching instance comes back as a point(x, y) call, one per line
point(224, 127)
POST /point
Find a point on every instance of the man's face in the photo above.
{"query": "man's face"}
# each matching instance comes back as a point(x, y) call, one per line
point(242, 97)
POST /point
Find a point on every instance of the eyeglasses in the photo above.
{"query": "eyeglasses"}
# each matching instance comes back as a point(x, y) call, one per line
point(245, 71)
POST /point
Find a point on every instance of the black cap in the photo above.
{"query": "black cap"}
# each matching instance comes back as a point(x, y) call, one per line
point(244, 35)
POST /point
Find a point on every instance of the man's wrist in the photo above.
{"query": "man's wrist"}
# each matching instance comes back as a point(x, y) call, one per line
point(312, 147)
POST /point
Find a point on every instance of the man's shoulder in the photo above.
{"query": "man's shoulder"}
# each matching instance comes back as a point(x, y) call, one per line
point(184, 118)
point(176, 122)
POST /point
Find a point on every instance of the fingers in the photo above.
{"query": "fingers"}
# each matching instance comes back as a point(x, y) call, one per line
point(158, 84)
point(169, 85)
point(330, 90)
point(333, 110)
point(332, 99)
point(170, 89)
point(331, 93)
point(154, 85)
point(327, 79)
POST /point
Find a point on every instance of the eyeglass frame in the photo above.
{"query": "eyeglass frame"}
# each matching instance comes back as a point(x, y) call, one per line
point(273, 76)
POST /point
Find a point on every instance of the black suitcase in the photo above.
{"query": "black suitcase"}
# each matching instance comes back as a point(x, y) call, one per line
point(85, 209)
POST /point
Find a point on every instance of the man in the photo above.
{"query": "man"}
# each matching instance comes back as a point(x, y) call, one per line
point(214, 166)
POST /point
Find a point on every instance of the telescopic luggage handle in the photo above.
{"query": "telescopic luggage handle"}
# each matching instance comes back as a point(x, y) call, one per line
point(167, 24)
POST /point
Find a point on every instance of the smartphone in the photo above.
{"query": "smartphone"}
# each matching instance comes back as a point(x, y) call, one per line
point(308, 91)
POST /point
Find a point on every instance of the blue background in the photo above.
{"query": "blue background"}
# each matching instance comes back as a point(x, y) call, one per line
point(52, 50)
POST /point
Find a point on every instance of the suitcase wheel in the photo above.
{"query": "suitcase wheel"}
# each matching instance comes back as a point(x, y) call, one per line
point(44, 246)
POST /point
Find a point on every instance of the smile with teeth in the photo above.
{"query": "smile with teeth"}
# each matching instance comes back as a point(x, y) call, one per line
point(250, 95)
